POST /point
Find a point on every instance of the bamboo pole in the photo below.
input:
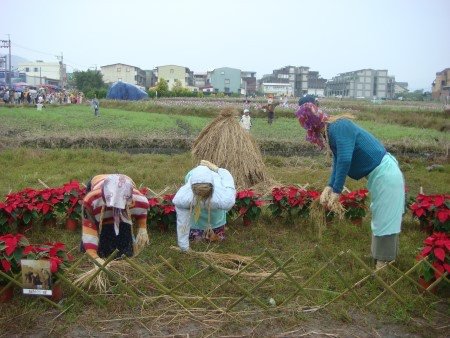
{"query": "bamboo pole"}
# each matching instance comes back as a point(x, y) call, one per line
point(232, 282)
point(163, 289)
point(288, 275)
point(234, 276)
point(378, 278)
point(260, 283)
point(343, 280)
point(187, 280)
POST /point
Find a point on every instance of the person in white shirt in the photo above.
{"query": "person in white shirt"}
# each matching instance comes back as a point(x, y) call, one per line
point(245, 121)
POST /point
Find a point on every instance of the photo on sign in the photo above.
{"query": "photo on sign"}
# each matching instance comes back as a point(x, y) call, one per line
point(36, 277)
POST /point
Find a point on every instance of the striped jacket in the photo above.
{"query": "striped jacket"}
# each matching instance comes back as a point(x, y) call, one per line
point(93, 203)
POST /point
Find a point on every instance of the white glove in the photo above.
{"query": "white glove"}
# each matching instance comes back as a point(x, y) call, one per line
point(210, 165)
point(142, 237)
point(333, 200)
point(325, 195)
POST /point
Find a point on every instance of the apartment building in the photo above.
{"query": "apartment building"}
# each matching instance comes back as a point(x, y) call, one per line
point(364, 83)
point(248, 82)
point(123, 72)
point(441, 85)
point(40, 72)
point(226, 80)
point(172, 73)
point(301, 80)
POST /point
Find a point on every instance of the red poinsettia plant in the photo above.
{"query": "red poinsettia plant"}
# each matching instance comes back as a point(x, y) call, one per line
point(55, 252)
point(437, 249)
point(248, 205)
point(168, 215)
point(292, 201)
point(11, 252)
point(354, 203)
point(433, 212)
point(73, 195)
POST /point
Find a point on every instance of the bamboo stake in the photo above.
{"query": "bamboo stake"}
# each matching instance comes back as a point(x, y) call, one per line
point(190, 283)
point(260, 283)
point(234, 276)
point(232, 282)
point(378, 278)
point(405, 274)
point(41, 182)
point(288, 275)
point(156, 282)
point(343, 280)
point(309, 280)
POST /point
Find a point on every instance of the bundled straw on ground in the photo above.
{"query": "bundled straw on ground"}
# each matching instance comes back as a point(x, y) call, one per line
point(225, 143)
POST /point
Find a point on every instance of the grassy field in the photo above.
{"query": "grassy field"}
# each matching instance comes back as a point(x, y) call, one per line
point(296, 239)
point(27, 126)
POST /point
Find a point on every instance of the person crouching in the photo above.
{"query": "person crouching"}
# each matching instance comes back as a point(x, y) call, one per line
point(202, 203)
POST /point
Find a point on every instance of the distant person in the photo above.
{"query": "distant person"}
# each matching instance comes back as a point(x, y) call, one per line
point(95, 106)
point(245, 120)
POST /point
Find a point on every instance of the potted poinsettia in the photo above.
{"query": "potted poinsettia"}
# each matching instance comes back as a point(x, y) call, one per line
point(168, 215)
point(73, 195)
point(248, 205)
point(292, 201)
point(21, 209)
point(354, 203)
point(433, 212)
point(11, 252)
point(437, 251)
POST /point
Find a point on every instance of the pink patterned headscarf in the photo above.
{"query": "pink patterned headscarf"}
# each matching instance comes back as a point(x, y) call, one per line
point(117, 192)
point(313, 120)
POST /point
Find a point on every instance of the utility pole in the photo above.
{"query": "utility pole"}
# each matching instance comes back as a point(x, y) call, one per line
point(7, 44)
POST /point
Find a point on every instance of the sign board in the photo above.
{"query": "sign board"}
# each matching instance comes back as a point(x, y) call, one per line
point(36, 277)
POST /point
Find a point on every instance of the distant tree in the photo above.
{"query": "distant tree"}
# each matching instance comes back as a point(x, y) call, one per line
point(177, 87)
point(88, 81)
point(162, 88)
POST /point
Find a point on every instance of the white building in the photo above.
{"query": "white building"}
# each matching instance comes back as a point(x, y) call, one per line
point(40, 72)
point(277, 89)
point(125, 73)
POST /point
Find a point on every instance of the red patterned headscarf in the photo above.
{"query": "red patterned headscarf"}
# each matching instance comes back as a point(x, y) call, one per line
point(313, 120)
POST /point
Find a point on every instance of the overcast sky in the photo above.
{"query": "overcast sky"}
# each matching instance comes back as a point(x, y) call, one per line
point(409, 38)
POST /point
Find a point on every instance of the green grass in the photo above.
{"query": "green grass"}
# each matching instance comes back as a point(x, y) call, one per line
point(78, 121)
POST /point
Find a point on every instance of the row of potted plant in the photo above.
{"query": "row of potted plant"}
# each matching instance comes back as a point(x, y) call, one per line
point(29, 205)
point(23, 208)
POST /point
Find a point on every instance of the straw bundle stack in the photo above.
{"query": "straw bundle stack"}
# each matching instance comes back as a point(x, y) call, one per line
point(225, 143)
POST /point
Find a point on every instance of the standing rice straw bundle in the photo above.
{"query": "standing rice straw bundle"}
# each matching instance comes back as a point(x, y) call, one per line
point(225, 143)
point(318, 214)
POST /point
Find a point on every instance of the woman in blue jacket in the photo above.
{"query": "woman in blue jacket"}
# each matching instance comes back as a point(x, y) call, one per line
point(358, 154)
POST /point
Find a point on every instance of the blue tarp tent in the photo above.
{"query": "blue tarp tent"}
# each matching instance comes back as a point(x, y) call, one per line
point(125, 91)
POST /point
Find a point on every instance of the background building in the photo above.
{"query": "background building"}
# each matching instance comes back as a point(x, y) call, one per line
point(226, 80)
point(277, 89)
point(171, 73)
point(441, 85)
point(150, 78)
point(248, 82)
point(40, 72)
point(123, 72)
point(301, 80)
point(364, 83)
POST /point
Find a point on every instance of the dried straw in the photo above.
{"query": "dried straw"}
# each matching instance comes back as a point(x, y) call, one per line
point(101, 282)
point(317, 214)
point(225, 143)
